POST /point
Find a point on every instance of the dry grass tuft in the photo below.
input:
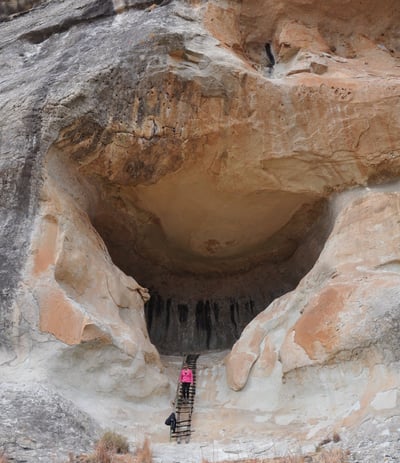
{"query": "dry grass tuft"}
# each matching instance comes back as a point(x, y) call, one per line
point(114, 442)
point(144, 453)
point(111, 448)
point(109, 445)
point(102, 454)
point(128, 458)
point(333, 456)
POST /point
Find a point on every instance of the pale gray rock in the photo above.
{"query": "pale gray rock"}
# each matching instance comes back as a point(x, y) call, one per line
point(374, 439)
point(39, 425)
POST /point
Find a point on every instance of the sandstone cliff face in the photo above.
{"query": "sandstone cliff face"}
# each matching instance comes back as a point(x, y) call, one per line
point(193, 148)
point(343, 317)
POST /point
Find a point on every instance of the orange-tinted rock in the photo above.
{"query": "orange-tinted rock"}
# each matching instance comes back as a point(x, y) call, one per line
point(81, 295)
point(59, 317)
point(294, 36)
point(45, 254)
point(318, 327)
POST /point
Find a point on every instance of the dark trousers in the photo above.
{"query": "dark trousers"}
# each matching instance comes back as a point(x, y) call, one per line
point(185, 390)
point(173, 424)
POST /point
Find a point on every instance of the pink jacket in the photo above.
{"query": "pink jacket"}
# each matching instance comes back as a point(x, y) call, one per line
point(186, 376)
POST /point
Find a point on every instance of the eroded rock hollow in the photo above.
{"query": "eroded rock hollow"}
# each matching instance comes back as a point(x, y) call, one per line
point(203, 181)
point(211, 258)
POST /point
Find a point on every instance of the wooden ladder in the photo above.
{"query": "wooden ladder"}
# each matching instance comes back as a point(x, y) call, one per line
point(184, 410)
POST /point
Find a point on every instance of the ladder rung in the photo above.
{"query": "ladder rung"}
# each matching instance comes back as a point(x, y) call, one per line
point(183, 433)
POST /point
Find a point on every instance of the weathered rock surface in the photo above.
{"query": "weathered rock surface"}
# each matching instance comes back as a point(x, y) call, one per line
point(348, 301)
point(40, 425)
point(329, 348)
point(192, 148)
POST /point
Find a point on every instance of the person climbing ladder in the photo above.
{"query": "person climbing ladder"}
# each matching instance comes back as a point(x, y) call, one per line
point(185, 395)
point(186, 380)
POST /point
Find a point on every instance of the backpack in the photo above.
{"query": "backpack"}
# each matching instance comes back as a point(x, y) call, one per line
point(170, 419)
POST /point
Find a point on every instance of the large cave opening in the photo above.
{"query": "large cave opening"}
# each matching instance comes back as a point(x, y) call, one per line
point(205, 292)
point(202, 215)
point(211, 259)
point(206, 179)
